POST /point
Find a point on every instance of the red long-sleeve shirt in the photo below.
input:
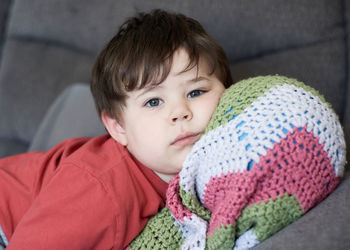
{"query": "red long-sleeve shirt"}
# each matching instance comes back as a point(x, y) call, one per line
point(82, 194)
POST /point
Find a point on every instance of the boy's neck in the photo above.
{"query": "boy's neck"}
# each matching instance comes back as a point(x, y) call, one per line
point(165, 177)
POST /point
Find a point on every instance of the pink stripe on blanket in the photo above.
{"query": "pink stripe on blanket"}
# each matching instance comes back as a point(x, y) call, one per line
point(297, 165)
point(174, 202)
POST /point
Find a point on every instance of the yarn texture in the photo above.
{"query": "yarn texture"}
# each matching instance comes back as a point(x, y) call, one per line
point(273, 149)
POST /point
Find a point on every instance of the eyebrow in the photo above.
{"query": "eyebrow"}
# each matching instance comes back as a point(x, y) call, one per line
point(150, 87)
point(197, 79)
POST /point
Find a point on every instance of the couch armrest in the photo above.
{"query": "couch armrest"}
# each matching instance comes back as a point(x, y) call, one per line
point(73, 114)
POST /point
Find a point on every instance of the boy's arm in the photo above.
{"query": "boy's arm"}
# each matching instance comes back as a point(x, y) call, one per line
point(72, 212)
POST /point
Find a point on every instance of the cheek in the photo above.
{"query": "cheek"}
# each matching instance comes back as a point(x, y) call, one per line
point(147, 136)
point(202, 116)
point(145, 147)
point(209, 107)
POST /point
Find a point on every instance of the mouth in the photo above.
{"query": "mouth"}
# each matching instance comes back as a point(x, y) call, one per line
point(186, 139)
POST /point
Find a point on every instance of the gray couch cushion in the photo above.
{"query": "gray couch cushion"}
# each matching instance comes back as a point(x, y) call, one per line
point(73, 114)
point(86, 25)
point(245, 28)
point(321, 65)
point(31, 76)
point(346, 119)
point(4, 12)
point(324, 227)
point(11, 146)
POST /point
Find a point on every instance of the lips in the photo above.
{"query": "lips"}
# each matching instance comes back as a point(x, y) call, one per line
point(186, 139)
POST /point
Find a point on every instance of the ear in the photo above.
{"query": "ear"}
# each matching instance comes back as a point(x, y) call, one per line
point(114, 128)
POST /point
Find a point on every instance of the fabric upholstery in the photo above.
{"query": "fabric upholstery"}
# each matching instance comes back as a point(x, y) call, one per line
point(32, 75)
point(69, 116)
point(346, 103)
point(324, 227)
point(10, 147)
point(4, 11)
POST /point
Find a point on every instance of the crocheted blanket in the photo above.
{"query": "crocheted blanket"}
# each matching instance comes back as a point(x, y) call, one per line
point(273, 149)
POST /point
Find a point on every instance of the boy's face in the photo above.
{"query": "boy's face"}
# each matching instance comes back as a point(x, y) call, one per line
point(161, 124)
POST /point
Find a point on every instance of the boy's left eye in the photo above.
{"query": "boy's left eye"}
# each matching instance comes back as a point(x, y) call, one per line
point(195, 93)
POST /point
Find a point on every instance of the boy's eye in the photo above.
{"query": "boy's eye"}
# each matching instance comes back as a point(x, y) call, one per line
point(195, 93)
point(153, 102)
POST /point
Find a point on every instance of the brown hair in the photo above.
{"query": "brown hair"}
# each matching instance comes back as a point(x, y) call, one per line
point(141, 53)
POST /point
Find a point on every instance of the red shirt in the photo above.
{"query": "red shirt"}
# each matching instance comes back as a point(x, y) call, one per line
point(82, 194)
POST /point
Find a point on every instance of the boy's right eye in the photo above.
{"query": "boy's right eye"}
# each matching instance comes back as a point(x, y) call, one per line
point(153, 102)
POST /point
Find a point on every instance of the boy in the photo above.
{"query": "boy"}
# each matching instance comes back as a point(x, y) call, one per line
point(155, 85)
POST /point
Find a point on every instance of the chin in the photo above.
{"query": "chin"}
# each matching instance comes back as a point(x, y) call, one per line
point(187, 150)
point(177, 169)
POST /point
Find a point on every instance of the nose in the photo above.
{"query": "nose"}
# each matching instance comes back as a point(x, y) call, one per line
point(180, 112)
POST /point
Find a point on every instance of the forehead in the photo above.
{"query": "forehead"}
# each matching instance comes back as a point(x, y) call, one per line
point(181, 63)
point(183, 69)
point(182, 72)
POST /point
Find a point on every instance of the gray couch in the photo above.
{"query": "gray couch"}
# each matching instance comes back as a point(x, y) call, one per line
point(48, 46)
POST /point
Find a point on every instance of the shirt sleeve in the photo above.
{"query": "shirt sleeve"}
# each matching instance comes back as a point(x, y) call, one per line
point(73, 211)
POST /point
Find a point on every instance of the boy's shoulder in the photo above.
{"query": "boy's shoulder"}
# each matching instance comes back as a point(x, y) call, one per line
point(91, 155)
point(94, 154)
